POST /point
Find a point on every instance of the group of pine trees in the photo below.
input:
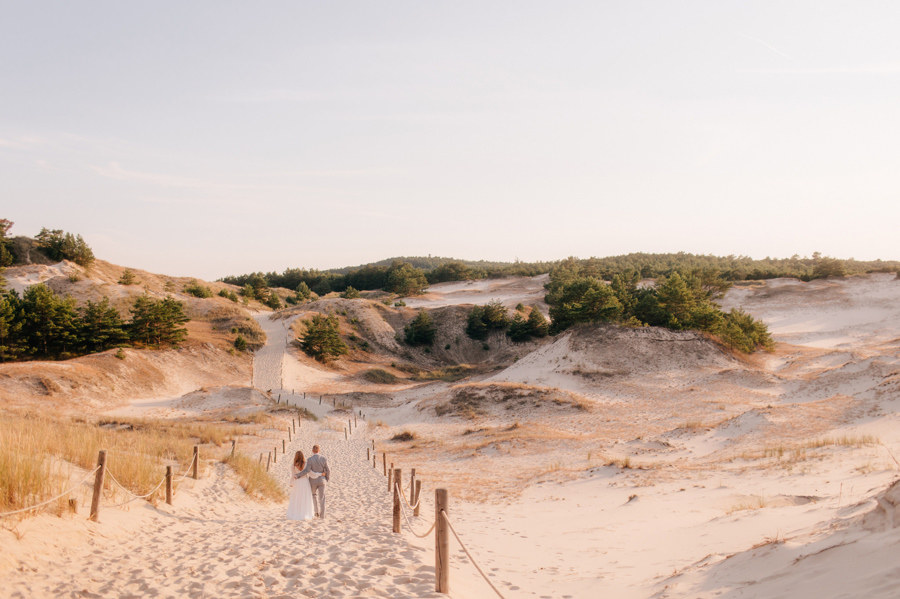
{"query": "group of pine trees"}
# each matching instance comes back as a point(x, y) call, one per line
point(56, 244)
point(493, 316)
point(42, 325)
point(675, 302)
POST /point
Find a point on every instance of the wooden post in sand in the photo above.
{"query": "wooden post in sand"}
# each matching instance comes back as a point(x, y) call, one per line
point(169, 485)
point(275, 455)
point(441, 543)
point(289, 435)
point(368, 455)
point(390, 475)
point(196, 460)
point(384, 462)
point(98, 485)
point(268, 461)
point(345, 433)
point(397, 491)
point(283, 448)
point(418, 494)
point(232, 447)
point(412, 487)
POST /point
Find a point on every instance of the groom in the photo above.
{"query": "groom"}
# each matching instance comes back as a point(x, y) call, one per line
point(318, 464)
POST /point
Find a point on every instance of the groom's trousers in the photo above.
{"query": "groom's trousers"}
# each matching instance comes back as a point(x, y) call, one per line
point(317, 486)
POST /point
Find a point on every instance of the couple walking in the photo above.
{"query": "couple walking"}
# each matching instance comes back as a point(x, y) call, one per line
point(308, 479)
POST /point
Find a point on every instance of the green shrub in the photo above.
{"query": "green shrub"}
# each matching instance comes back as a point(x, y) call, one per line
point(421, 330)
point(198, 290)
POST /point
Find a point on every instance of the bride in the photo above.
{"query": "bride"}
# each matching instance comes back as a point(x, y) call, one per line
point(300, 505)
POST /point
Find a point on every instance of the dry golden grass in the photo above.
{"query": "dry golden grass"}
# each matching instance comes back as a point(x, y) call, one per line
point(253, 478)
point(36, 451)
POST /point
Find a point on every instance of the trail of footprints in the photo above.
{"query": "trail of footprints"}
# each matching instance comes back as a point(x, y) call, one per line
point(229, 547)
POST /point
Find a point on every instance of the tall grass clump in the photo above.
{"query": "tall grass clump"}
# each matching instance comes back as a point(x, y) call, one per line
point(253, 478)
point(137, 453)
point(25, 477)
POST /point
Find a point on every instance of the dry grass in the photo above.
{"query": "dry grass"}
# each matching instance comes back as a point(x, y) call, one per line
point(37, 451)
point(254, 479)
point(471, 400)
point(757, 502)
point(380, 377)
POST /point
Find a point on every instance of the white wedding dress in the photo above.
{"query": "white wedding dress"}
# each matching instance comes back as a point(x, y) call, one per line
point(300, 505)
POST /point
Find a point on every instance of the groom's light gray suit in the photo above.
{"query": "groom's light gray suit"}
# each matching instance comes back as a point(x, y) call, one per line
point(317, 463)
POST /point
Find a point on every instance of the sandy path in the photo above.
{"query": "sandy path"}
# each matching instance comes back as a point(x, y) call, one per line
point(215, 543)
point(268, 361)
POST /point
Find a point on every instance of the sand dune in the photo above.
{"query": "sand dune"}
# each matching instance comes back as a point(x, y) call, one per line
point(607, 462)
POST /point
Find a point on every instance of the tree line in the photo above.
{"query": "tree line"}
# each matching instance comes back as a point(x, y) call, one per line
point(409, 276)
point(404, 277)
point(42, 325)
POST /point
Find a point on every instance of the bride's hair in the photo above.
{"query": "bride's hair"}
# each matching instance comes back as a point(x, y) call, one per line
point(299, 460)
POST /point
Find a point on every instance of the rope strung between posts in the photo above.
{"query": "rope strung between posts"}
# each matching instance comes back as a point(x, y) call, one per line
point(113, 478)
point(412, 507)
point(60, 496)
point(409, 523)
point(472, 559)
point(184, 476)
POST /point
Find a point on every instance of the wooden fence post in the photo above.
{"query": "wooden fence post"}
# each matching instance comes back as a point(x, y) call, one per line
point(390, 475)
point(268, 461)
point(412, 486)
point(345, 433)
point(418, 494)
point(398, 486)
point(196, 460)
point(384, 462)
point(232, 447)
point(169, 485)
point(283, 448)
point(368, 454)
point(441, 543)
point(98, 485)
point(275, 455)
point(289, 434)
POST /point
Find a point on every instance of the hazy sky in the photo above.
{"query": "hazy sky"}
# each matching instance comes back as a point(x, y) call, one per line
point(214, 138)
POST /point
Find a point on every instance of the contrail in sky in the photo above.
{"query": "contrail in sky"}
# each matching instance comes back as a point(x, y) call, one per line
point(769, 46)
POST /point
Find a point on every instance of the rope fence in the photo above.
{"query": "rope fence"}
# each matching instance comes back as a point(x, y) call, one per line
point(440, 526)
point(100, 471)
point(57, 498)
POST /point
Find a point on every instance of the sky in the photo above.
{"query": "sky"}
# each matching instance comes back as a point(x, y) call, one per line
point(213, 138)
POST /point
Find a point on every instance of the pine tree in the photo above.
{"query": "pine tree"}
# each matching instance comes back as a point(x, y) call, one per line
point(421, 330)
point(49, 327)
point(100, 327)
point(10, 326)
point(322, 340)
